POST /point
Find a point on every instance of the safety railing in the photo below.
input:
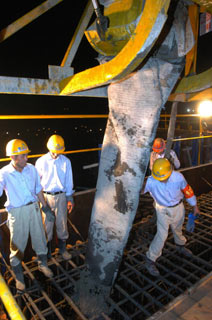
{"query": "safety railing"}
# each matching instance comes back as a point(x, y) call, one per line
point(98, 116)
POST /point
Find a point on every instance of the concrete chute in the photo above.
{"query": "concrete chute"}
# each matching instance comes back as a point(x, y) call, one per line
point(135, 103)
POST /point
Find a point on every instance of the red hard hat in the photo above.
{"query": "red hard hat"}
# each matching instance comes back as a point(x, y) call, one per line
point(159, 145)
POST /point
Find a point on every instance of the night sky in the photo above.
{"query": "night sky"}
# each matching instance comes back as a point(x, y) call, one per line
point(28, 53)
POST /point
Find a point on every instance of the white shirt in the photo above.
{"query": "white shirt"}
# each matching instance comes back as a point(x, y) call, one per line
point(155, 155)
point(55, 174)
point(20, 187)
point(168, 193)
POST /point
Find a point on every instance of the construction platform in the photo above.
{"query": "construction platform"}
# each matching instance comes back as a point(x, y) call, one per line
point(183, 291)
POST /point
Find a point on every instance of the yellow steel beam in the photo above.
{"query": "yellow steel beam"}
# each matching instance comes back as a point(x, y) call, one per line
point(188, 97)
point(203, 95)
point(192, 138)
point(78, 34)
point(56, 116)
point(27, 18)
point(192, 86)
point(66, 152)
point(9, 302)
point(191, 57)
point(73, 116)
point(207, 4)
point(133, 53)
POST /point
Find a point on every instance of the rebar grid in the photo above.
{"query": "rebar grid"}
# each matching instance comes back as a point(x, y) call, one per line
point(135, 294)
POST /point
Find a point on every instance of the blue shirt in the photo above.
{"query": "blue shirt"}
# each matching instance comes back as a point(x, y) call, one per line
point(20, 187)
point(168, 193)
point(55, 174)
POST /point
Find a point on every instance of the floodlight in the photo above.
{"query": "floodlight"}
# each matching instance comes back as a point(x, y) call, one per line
point(205, 109)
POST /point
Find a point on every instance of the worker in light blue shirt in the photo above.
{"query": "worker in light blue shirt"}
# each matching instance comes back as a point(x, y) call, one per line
point(12, 180)
point(57, 181)
point(168, 188)
point(21, 183)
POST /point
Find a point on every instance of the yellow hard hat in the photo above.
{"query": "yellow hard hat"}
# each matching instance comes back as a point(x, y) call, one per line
point(56, 144)
point(15, 147)
point(161, 169)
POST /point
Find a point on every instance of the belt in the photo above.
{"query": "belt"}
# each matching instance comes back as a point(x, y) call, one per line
point(176, 204)
point(29, 203)
point(53, 193)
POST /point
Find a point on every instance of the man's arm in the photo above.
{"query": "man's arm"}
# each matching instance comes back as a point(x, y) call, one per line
point(69, 187)
point(144, 187)
point(190, 197)
point(152, 159)
point(196, 210)
point(174, 159)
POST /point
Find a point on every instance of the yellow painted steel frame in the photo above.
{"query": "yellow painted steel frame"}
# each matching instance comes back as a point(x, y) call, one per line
point(133, 53)
point(194, 86)
point(27, 18)
point(191, 57)
point(122, 16)
point(207, 4)
point(9, 301)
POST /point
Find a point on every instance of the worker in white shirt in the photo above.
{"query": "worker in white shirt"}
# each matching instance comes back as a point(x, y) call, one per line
point(55, 172)
point(21, 183)
point(158, 148)
point(168, 188)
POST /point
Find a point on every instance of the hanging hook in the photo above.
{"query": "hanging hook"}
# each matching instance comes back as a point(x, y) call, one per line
point(102, 22)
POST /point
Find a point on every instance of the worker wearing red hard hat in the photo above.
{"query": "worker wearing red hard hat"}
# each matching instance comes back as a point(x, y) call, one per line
point(158, 148)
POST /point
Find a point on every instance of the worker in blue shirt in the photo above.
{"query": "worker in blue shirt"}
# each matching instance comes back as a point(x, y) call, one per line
point(168, 188)
point(56, 176)
point(21, 183)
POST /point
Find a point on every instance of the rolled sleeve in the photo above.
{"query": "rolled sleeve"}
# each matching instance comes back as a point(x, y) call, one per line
point(192, 201)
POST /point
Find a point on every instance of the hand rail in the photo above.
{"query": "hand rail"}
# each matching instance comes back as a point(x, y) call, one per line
point(9, 302)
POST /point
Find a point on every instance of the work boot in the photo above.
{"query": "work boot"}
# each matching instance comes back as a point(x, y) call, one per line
point(151, 267)
point(20, 285)
point(43, 267)
point(49, 247)
point(62, 249)
point(182, 250)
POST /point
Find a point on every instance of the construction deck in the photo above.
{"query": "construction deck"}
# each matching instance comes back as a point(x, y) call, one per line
point(195, 304)
point(183, 291)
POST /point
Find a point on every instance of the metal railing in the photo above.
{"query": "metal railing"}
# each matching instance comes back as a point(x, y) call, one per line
point(97, 116)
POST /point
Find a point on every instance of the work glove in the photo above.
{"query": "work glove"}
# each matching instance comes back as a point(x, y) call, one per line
point(191, 222)
point(48, 212)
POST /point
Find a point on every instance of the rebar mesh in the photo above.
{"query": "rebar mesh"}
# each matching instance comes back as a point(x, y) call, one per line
point(136, 294)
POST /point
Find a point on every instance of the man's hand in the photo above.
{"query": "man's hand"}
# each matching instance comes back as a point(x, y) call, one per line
point(70, 206)
point(49, 213)
point(70, 203)
point(196, 211)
